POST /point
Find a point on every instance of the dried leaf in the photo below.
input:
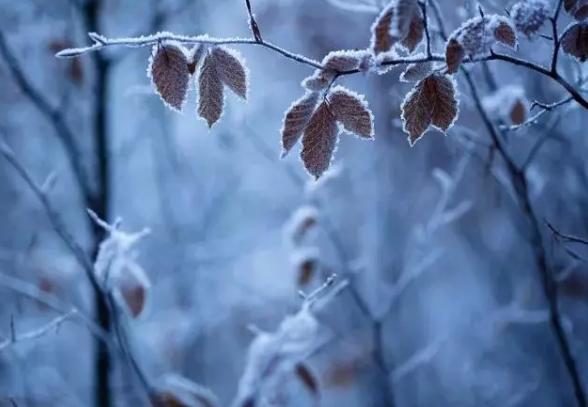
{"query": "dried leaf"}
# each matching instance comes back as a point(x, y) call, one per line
point(431, 102)
point(381, 41)
point(132, 286)
point(231, 70)
point(319, 141)
point(416, 71)
point(306, 271)
point(581, 10)
point(351, 110)
point(307, 378)
point(518, 113)
point(393, 24)
point(454, 54)
point(211, 95)
point(319, 80)
point(168, 70)
point(529, 15)
point(296, 119)
point(575, 41)
point(569, 5)
point(341, 61)
point(415, 34)
point(505, 33)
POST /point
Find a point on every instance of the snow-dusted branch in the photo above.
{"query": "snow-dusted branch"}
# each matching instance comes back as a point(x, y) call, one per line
point(53, 325)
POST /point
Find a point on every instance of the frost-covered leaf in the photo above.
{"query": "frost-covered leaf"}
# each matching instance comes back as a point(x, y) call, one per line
point(508, 104)
point(319, 141)
point(503, 31)
point(319, 80)
point(131, 289)
point(307, 378)
point(569, 5)
point(169, 73)
point(454, 54)
point(341, 61)
point(529, 15)
point(272, 357)
point(210, 91)
point(575, 41)
point(478, 34)
point(351, 110)
point(296, 119)
point(416, 71)
point(415, 33)
point(393, 24)
point(231, 70)
point(431, 102)
point(306, 262)
point(300, 223)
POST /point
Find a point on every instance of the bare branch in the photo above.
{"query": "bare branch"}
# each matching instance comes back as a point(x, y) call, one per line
point(252, 23)
point(39, 332)
point(565, 237)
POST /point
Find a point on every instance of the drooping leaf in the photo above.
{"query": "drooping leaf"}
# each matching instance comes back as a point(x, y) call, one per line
point(416, 71)
point(393, 24)
point(454, 54)
point(478, 34)
point(231, 70)
point(131, 288)
point(296, 119)
point(168, 70)
point(415, 33)
point(211, 95)
point(529, 15)
point(575, 41)
point(431, 102)
point(319, 141)
point(581, 10)
point(351, 110)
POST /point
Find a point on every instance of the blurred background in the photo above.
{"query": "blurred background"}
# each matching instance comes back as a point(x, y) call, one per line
point(444, 304)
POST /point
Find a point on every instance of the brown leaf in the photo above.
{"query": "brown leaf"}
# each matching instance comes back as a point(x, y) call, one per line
point(306, 270)
point(131, 287)
point(518, 112)
point(296, 119)
point(575, 41)
point(211, 95)
point(319, 80)
point(454, 54)
point(168, 70)
point(381, 41)
point(505, 33)
point(581, 10)
point(393, 24)
point(569, 5)
point(307, 378)
point(416, 71)
point(231, 70)
point(319, 141)
point(351, 111)
point(431, 102)
point(168, 399)
point(415, 33)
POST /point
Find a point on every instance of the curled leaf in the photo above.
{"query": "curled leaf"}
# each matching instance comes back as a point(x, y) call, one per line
point(231, 70)
point(169, 73)
point(319, 141)
point(431, 102)
point(351, 110)
point(393, 24)
point(341, 61)
point(504, 32)
point(296, 119)
point(211, 95)
point(575, 41)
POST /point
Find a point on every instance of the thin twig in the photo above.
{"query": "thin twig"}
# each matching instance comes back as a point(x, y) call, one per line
point(566, 237)
point(39, 332)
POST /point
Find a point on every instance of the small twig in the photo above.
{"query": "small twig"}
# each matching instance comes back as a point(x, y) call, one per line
point(37, 333)
point(545, 107)
point(423, 6)
point(565, 237)
point(252, 23)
